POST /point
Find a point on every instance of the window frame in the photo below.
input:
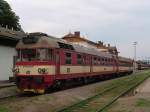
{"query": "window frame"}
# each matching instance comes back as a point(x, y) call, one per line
point(68, 59)
point(79, 59)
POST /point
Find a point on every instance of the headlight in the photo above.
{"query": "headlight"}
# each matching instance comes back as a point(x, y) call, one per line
point(43, 70)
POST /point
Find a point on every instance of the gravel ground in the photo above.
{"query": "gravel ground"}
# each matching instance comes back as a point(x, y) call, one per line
point(53, 101)
point(8, 91)
point(140, 102)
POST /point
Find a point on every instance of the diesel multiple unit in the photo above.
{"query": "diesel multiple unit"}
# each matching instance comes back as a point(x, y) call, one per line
point(44, 61)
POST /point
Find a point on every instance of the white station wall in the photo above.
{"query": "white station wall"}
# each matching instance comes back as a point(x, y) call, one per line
point(6, 62)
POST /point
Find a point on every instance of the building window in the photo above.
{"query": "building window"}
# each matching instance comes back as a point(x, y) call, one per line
point(68, 58)
point(79, 59)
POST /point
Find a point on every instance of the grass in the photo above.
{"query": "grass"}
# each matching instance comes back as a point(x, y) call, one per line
point(128, 82)
point(3, 109)
point(141, 102)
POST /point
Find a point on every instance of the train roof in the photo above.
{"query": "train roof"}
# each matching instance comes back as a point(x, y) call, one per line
point(92, 51)
point(124, 59)
point(42, 42)
point(45, 41)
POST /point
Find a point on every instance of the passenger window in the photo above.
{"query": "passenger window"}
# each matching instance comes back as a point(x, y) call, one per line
point(95, 60)
point(99, 61)
point(79, 59)
point(68, 58)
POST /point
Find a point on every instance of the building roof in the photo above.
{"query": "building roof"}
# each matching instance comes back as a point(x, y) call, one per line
point(77, 39)
point(10, 37)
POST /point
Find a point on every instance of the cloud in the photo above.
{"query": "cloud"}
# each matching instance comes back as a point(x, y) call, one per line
point(119, 22)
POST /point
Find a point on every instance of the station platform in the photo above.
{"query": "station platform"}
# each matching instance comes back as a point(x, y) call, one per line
point(4, 84)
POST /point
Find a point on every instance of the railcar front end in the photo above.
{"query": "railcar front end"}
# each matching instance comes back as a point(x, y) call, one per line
point(35, 67)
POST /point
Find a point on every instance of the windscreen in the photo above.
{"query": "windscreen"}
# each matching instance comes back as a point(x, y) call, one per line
point(34, 54)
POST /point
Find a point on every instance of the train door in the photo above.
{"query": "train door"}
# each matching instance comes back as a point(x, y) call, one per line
point(57, 61)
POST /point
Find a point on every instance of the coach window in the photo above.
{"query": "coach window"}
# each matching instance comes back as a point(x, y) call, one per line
point(95, 60)
point(68, 58)
point(99, 61)
point(102, 61)
point(106, 62)
point(109, 61)
point(87, 60)
point(83, 59)
point(79, 59)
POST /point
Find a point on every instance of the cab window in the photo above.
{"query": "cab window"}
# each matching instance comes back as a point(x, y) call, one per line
point(44, 54)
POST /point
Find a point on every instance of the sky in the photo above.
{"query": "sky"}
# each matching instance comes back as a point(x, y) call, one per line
point(118, 22)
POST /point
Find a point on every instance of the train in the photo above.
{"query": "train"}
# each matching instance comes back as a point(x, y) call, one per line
point(140, 65)
point(45, 61)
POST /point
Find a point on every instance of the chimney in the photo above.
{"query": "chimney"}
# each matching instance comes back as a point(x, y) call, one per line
point(77, 34)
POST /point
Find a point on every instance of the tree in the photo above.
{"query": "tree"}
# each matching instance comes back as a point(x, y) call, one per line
point(8, 17)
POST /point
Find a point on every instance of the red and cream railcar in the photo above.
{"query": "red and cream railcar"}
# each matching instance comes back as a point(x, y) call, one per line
point(142, 65)
point(125, 64)
point(44, 60)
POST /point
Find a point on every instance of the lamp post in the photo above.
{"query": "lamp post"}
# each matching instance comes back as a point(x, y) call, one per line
point(134, 64)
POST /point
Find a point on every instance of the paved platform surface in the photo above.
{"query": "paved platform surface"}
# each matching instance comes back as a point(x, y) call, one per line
point(144, 87)
point(5, 84)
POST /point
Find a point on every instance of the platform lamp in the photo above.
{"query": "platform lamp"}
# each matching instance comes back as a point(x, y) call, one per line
point(134, 63)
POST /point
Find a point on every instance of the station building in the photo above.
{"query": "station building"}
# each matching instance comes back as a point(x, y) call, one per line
point(76, 38)
point(8, 41)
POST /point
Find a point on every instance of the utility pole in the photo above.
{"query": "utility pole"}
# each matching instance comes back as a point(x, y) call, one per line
point(134, 63)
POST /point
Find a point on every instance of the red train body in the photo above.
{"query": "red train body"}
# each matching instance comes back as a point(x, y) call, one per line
point(44, 61)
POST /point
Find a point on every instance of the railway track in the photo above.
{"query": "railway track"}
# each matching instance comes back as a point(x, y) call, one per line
point(102, 100)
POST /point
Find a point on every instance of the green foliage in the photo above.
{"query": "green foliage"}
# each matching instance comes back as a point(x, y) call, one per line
point(8, 17)
point(143, 103)
point(3, 109)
